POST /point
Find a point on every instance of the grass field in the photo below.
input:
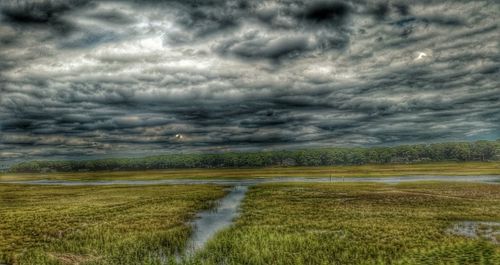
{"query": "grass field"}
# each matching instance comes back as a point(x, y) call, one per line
point(451, 168)
point(358, 224)
point(97, 225)
point(286, 223)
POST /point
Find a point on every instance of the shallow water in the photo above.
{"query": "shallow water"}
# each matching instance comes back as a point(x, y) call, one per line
point(209, 222)
point(254, 181)
point(476, 229)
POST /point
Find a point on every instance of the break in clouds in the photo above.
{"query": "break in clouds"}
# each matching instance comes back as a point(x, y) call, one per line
point(104, 78)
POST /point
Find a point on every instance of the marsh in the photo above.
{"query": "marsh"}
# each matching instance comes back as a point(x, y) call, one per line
point(235, 221)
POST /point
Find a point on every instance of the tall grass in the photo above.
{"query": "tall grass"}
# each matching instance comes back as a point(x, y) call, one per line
point(286, 223)
point(98, 225)
point(357, 224)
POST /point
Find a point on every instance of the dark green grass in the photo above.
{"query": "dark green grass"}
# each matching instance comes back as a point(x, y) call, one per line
point(358, 224)
point(98, 225)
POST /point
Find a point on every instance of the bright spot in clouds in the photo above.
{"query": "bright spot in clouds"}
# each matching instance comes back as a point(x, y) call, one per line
point(421, 55)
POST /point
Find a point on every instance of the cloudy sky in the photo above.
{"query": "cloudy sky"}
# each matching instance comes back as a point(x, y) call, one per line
point(107, 78)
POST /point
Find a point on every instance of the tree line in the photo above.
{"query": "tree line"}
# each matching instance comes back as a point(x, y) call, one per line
point(450, 151)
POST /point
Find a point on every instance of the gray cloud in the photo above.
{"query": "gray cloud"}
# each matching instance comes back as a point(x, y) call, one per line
point(253, 47)
point(105, 78)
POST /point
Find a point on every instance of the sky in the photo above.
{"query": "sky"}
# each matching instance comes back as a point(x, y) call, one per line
point(84, 79)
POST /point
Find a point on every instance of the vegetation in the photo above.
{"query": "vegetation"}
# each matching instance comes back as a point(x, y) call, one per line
point(98, 225)
point(287, 223)
point(385, 170)
point(453, 151)
point(358, 224)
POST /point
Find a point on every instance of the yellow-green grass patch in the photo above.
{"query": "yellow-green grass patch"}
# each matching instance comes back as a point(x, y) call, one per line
point(98, 225)
point(346, 223)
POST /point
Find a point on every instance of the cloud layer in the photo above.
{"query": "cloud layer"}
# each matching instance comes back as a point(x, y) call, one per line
point(103, 78)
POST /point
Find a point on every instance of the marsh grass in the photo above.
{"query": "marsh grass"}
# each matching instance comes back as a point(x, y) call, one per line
point(386, 170)
point(98, 225)
point(345, 223)
point(280, 223)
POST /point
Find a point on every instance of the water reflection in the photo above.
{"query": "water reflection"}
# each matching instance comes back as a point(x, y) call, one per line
point(209, 222)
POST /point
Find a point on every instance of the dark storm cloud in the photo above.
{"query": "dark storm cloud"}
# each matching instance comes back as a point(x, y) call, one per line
point(325, 12)
point(41, 14)
point(301, 28)
point(104, 78)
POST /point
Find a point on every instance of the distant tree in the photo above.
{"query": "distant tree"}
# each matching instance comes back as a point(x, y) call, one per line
point(453, 151)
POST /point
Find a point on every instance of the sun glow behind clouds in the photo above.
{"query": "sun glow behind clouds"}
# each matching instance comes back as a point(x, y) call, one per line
point(421, 55)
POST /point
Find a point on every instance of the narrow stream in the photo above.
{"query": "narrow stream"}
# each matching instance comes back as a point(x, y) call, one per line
point(209, 222)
